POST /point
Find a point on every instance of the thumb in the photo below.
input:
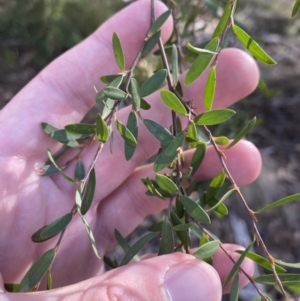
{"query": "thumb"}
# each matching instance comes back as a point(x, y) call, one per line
point(174, 277)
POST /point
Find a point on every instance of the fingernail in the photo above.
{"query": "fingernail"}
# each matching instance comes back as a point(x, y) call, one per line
point(193, 282)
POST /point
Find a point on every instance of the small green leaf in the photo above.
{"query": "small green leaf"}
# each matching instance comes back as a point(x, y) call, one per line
point(186, 175)
point(137, 247)
point(214, 117)
point(166, 184)
point(79, 171)
point(50, 156)
point(237, 265)
point(192, 131)
point(157, 227)
point(52, 229)
point(252, 46)
point(126, 134)
point(198, 156)
point(169, 153)
point(234, 292)
point(223, 211)
point(101, 129)
point(49, 280)
point(172, 102)
point(118, 52)
point(159, 132)
point(223, 21)
point(166, 245)
point(132, 125)
point(180, 231)
point(152, 188)
point(88, 229)
point(286, 200)
point(222, 140)
point(145, 105)
point(88, 193)
point(150, 44)
point(136, 99)
point(201, 62)
point(102, 98)
point(200, 50)
point(107, 79)
point(288, 264)
point(214, 186)
point(286, 279)
point(37, 271)
point(47, 170)
point(194, 210)
point(121, 241)
point(115, 93)
point(295, 8)
point(243, 132)
point(263, 261)
point(109, 105)
point(174, 65)
point(210, 88)
point(81, 128)
point(207, 250)
point(159, 22)
point(153, 83)
point(11, 287)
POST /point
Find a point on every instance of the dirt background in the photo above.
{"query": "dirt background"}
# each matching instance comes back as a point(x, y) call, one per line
point(28, 43)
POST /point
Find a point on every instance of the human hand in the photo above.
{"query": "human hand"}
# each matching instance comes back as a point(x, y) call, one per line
point(61, 94)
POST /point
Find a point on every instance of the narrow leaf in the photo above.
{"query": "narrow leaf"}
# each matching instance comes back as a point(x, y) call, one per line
point(295, 8)
point(81, 128)
point(237, 265)
point(114, 93)
point(89, 193)
point(288, 264)
point(79, 171)
point(137, 247)
point(174, 65)
point(201, 62)
point(132, 125)
point(52, 229)
point(214, 117)
point(49, 280)
point(159, 22)
point(286, 200)
point(136, 99)
point(172, 102)
point(210, 88)
point(252, 46)
point(194, 210)
point(207, 250)
point(11, 287)
point(159, 132)
point(37, 271)
point(243, 132)
point(214, 186)
point(169, 153)
point(167, 239)
point(166, 184)
point(200, 50)
point(118, 52)
point(107, 79)
point(126, 134)
point(223, 21)
point(153, 83)
point(198, 156)
point(152, 188)
point(221, 201)
point(234, 292)
point(181, 229)
point(101, 129)
point(286, 279)
point(150, 44)
point(121, 241)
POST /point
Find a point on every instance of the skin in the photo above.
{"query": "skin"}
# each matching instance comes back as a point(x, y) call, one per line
point(61, 94)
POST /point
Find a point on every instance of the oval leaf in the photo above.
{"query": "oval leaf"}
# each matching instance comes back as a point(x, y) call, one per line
point(136, 99)
point(159, 22)
point(118, 52)
point(153, 83)
point(126, 134)
point(210, 88)
point(167, 239)
point(194, 210)
point(207, 250)
point(198, 156)
point(159, 132)
point(114, 93)
point(174, 65)
point(37, 271)
point(166, 184)
point(171, 101)
point(223, 20)
point(132, 125)
point(79, 171)
point(101, 129)
point(222, 140)
point(252, 46)
point(296, 8)
point(201, 62)
point(242, 133)
point(214, 117)
point(150, 44)
point(88, 193)
point(81, 128)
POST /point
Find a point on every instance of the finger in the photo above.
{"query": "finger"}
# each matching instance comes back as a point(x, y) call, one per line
point(128, 205)
point(63, 92)
point(223, 265)
point(174, 277)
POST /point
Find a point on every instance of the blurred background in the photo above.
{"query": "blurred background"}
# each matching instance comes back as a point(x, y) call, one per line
point(34, 32)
